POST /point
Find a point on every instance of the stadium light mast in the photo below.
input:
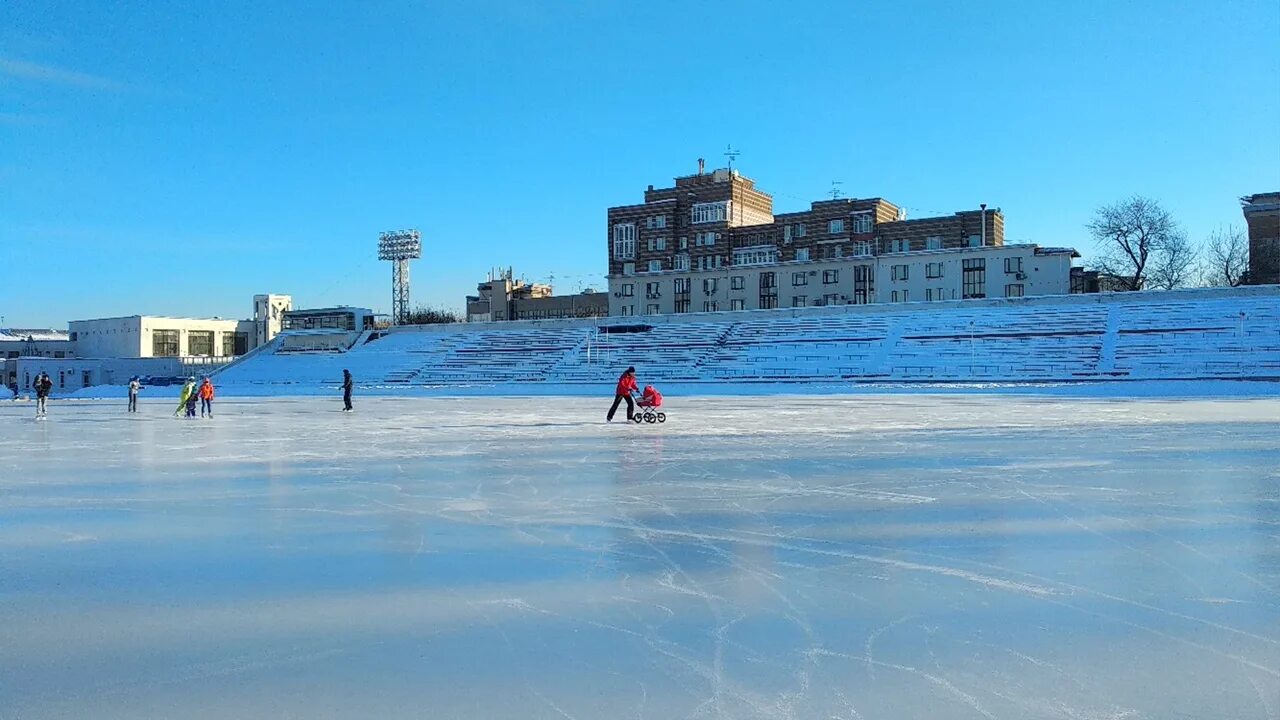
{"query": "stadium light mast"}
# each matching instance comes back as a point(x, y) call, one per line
point(399, 246)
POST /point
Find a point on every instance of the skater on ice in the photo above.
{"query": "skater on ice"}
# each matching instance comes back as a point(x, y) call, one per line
point(188, 393)
point(206, 397)
point(43, 386)
point(135, 385)
point(626, 387)
point(347, 384)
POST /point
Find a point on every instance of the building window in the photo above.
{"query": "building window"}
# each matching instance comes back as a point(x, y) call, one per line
point(768, 280)
point(708, 262)
point(893, 296)
point(974, 282)
point(655, 266)
point(737, 304)
point(1013, 265)
point(628, 290)
point(59, 354)
point(862, 249)
point(710, 212)
point(755, 256)
point(710, 306)
point(624, 241)
point(933, 270)
point(862, 223)
point(682, 286)
point(835, 226)
point(799, 230)
point(933, 242)
point(800, 301)
point(164, 343)
point(1014, 290)
point(656, 222)
point(229, 344)
point(830, 276)
point(799, 278)
point(651, 309)
point(786, 233)
point(629, 268)
point(768, 302)
point(831, 299)
point(901, 246)
point(658, 243)
point(682, 262)
point(737, 282)
point(900, 272)
point(684, 243)
point(628, 310)
point(709, 286)
point(802, 254)
point(682, 306)
point(705, 239)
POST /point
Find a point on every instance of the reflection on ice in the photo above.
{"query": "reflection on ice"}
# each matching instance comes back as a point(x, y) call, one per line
point(887, 557)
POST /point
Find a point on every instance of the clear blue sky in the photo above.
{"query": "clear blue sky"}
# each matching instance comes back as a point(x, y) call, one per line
point(176, 158)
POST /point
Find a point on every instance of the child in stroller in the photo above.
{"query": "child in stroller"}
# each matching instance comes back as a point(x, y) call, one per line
point(648, 404)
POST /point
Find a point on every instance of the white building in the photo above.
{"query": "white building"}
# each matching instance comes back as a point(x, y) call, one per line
point(268, 317)
point(757, 280)
point(145, 336)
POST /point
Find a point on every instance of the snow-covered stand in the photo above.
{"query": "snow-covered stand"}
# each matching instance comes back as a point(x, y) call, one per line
point(1193, 334)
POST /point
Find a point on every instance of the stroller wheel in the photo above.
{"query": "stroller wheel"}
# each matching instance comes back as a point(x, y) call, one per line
point(650, 418)
point(638, 418)
point(662, 417)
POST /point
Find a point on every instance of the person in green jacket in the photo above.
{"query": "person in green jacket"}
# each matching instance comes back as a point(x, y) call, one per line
point(188, 389)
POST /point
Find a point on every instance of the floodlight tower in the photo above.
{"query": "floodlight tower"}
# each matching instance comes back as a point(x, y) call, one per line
point(399, 246)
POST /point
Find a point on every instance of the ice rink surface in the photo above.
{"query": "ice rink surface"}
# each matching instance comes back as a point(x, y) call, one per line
point(769, 557)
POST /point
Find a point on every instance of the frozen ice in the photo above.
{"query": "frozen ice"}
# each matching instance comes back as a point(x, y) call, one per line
point(864, 556)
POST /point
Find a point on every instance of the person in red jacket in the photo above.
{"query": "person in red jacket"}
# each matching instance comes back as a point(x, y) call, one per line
point(206, 397)
point(626, 386)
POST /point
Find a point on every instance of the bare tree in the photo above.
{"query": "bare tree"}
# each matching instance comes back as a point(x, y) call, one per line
point(1138, 240)
point(1174, 263)
point(1226, 258)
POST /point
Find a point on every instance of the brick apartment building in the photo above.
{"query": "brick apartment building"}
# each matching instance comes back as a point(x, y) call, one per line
point(712, 243)
point(1262, 215)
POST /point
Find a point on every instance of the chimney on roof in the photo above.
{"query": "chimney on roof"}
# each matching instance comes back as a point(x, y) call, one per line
point(702, 166)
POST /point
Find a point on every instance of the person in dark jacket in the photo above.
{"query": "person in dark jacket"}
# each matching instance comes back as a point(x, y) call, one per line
point(43, 386)
point(347, 384)
point(626, 386)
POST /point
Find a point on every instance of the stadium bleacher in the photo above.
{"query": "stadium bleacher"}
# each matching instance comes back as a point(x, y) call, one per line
point(1174, 335)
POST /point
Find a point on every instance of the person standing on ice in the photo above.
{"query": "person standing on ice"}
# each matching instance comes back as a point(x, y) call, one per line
point(134, 386)
point(188, 392)
point(43, 386)
point(206, 397)
point(347, 384)
point(626, 386)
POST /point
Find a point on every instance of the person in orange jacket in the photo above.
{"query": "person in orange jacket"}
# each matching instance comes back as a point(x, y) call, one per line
point(626, 386)
point(206, 397)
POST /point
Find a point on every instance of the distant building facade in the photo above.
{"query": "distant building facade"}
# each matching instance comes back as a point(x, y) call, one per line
point(35, 343)
point(1096, 281)
point(712, 243)
point(1262, 215)
point(506, 298)
point(353, 319)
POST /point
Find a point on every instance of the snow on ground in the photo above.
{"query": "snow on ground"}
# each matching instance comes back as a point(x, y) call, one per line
point(857, 556)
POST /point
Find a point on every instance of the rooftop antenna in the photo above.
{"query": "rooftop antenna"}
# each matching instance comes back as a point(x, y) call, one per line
point(835, 189)
point(732, 154)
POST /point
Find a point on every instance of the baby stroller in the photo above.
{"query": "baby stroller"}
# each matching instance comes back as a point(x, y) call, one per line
point(649, 403)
